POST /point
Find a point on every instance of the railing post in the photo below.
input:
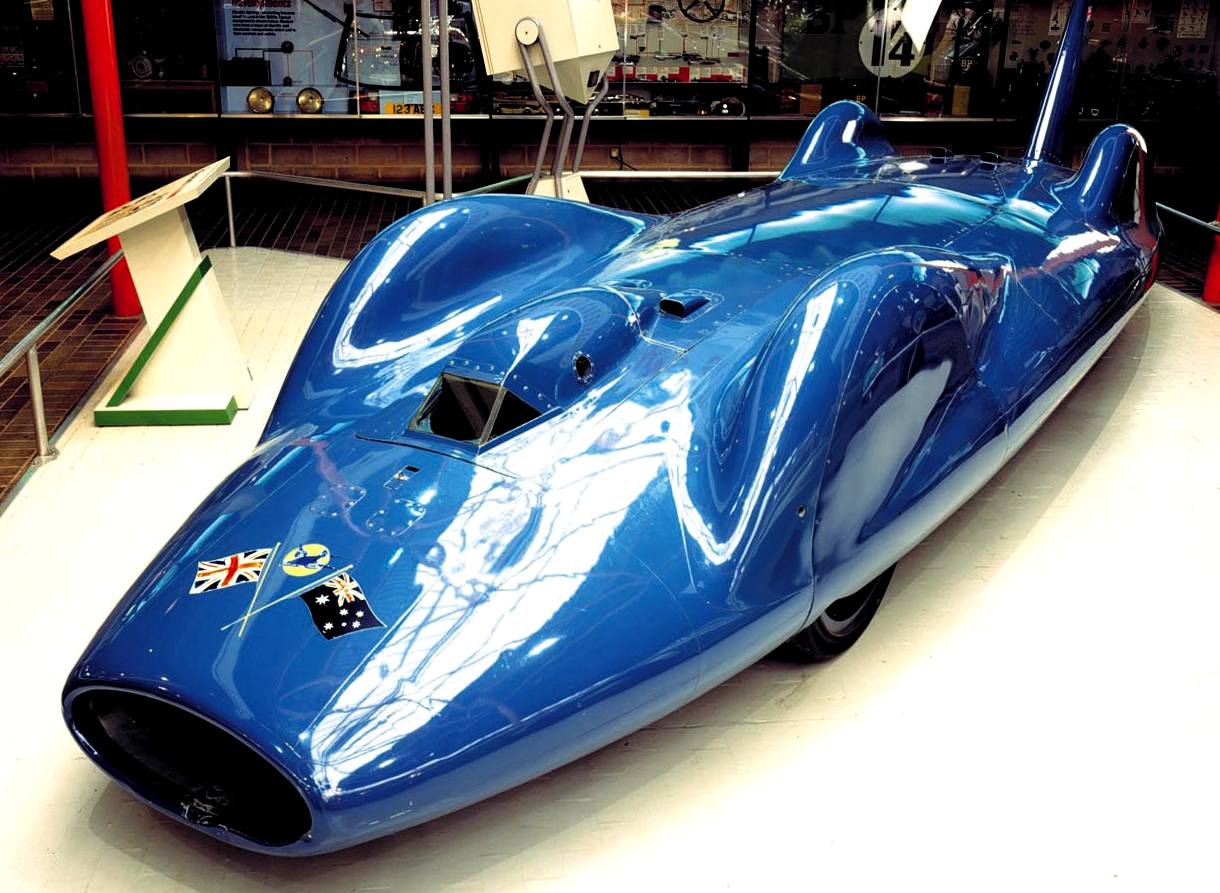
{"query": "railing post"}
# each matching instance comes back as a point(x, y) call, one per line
point(45, 451)
point(446, 114)
point(229, 207)
point(1211, 282)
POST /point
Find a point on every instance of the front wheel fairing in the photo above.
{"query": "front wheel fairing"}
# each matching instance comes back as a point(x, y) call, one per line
point(503, 634)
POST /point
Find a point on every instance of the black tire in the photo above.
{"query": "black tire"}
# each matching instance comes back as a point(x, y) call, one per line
point(839, 626)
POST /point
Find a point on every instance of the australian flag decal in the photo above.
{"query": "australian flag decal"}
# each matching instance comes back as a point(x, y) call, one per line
point(338, 607)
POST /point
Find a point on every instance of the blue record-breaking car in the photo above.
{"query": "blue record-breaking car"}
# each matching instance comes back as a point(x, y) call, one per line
point(543, 472)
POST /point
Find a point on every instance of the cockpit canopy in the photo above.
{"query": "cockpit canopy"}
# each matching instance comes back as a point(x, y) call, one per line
point(471, 411)
point(528, 363)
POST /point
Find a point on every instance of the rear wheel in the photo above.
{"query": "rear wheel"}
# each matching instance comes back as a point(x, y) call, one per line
point(838, 627)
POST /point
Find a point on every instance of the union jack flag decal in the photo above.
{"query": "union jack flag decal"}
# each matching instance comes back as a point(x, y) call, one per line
point(244, 567)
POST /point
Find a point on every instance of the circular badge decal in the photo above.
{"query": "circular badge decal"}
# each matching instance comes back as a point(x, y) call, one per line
point(306, 560)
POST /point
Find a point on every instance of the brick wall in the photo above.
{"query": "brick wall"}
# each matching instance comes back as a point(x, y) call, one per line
point(365, 159)
point(152, 161)
point(362, 158)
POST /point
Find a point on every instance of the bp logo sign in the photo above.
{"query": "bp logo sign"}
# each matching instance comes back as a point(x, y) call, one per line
point(885, 46)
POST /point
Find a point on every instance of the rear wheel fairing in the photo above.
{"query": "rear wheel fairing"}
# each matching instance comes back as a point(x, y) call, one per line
point(917, 431)
point(1083, 267)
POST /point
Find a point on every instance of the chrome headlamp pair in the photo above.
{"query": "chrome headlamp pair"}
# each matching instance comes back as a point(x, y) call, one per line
point(261, 101)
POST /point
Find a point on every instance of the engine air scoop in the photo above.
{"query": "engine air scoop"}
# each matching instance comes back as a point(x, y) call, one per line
point(189, 766)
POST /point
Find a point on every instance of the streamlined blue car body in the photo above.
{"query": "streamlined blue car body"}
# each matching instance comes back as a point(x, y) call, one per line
point(692, 435)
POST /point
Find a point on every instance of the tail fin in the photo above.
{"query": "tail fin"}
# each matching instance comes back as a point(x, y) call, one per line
point(1047, 140)
point(843, 133)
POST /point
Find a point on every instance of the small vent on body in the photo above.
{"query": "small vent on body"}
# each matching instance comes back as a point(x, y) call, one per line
point(683, 304)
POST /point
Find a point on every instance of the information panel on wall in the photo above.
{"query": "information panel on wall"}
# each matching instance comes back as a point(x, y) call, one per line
point(328, 56)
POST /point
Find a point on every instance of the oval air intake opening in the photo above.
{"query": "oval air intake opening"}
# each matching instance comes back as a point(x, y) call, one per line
point(190, 766)
point(682, 304)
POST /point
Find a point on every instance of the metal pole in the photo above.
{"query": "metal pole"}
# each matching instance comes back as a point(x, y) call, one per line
point(425, 37)
point(1213, 226)
point(45, 453)
point(585, 119)
point(1211, 282)
point(446, 131)
point(229, 207)
point(528, 65)
point(355, 60)
point(111, 144)
point(569, 117)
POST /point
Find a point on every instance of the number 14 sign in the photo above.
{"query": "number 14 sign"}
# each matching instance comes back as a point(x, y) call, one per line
point(886, 46)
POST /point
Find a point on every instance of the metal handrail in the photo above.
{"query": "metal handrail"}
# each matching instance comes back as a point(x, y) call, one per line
point(28, 347)
point(1195, 220)
point(373, 188)
point(322, 181)
point(678, 175)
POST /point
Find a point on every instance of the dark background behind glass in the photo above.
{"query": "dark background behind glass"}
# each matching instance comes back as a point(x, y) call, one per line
point(978, 59)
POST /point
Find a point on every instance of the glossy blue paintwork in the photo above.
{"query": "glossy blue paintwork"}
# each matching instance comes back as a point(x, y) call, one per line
point(875, 336)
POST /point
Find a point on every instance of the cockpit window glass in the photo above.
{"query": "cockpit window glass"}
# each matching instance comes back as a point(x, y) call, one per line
point(458, 409)
point(471, 411)
point(514, 412)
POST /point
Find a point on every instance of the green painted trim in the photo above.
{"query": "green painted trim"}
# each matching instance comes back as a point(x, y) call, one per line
point(154, 340)
point(113, 417)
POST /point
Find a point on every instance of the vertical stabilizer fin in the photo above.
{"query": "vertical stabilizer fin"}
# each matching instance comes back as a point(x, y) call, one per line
point(1046, 143)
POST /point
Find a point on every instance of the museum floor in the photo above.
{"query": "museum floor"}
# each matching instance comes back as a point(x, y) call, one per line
point(1037, 704)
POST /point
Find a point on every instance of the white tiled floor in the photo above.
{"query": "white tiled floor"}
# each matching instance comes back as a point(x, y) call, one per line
point(1037, 705)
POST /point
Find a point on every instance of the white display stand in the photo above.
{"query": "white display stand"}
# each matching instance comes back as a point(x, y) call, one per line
point(191, 371)
point(573, 187)
point(561, 44)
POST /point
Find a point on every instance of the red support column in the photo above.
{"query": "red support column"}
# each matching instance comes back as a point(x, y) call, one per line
point(111, 144)
point(1211, 285)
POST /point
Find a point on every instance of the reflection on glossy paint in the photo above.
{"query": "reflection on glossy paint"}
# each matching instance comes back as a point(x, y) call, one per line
point(346, 354)
point(531, 555)
point(874, 457)
point(717, 550)
point(1077, 245)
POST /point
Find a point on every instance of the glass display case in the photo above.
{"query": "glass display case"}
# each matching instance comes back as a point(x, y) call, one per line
point(682, 57)
point(807, 55)
point(332, 57)
point(37, 58)
point(166, 52)
point(728, 59)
